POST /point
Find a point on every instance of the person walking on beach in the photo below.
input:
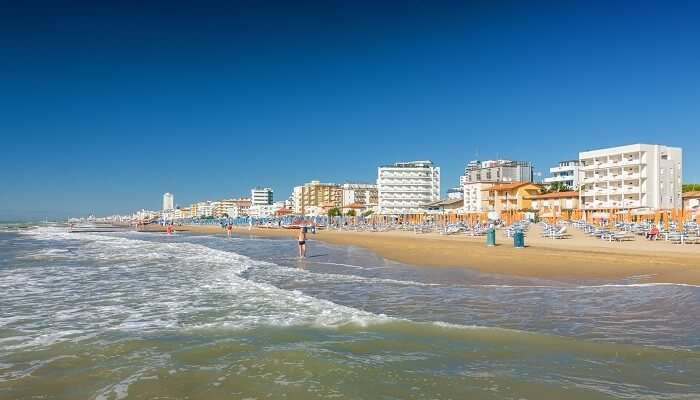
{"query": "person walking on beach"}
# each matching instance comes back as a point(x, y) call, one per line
point(302, 242)
point(229, 229)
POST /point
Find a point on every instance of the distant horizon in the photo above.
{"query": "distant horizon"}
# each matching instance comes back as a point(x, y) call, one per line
point(106, 106)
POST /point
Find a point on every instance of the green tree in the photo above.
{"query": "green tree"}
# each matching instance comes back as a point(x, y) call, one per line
point(367, 213)
point(691, 187)
point(556, 187)
point(351, 213)
point(334, 212)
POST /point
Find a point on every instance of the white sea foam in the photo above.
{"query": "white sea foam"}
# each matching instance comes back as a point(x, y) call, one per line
point(114, 283)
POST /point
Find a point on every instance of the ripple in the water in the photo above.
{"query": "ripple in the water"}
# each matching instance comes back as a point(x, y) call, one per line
point(145, 316)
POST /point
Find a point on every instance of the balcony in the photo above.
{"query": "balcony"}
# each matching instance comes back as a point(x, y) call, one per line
point(628, 162)
point(631, 203)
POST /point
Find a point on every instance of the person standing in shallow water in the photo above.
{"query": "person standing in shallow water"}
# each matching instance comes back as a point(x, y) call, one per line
point(302, 242)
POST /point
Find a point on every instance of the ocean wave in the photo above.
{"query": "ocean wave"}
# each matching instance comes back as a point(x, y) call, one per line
point(145, 286)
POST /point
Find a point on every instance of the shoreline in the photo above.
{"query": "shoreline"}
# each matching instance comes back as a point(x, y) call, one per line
point(579, 257)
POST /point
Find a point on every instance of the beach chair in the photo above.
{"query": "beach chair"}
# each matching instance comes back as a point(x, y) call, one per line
point(560, 234)
point(622, 236)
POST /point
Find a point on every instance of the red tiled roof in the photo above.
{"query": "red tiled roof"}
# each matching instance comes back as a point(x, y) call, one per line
point(555, 195)
point(508, 186)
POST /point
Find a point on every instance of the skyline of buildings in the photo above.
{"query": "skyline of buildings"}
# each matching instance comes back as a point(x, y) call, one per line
point(638, 176)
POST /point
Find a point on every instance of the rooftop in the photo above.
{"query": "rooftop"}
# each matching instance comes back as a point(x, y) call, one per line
point(411, 164)
point(555, 195)
point(443, 202)
point(509, 186)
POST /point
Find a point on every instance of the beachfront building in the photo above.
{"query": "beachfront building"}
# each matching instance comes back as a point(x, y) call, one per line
point(234, 208)
point(203, 209)
point(555, 204)
point(315, 195)
point(472, 197)
point(168, 201)
point(633, 176)
point(513, 196)
point(265, 210)
point(480, 176)
point(404, 187)
point(455, 193)
point(497, 171)
point(364, 194)
point(296, 199)
point(143, 216)
point(183, 213)
point(261, 196)
point(691, 202)
point(444, 206)
point(566, 173)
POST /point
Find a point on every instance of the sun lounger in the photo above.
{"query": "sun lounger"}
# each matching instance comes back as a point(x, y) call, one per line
point(622, 236)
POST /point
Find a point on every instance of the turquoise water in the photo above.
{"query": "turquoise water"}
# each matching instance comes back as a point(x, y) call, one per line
point(142, 316)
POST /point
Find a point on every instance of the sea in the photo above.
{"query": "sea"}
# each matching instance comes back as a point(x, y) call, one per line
point(150, 316)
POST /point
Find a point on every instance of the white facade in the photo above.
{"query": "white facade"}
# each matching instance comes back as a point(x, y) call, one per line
point(404, 187)
point(473, 196)
point(360, 193)
point(567, 172)
point(297, 194)
point(261, 196)
point(205, 209)
point(168, 201)
point(497, 171)
point(455, 193)
point(264, 210)
point(634, 176)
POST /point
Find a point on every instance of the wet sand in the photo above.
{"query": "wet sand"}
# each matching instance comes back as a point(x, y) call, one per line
point(579, 257)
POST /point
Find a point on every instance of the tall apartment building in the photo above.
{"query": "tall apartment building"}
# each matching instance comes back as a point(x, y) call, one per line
point(315, 194)
point(261, 196)
point(405, 186)
point(168, 201)
point(479, 176)
point(567, 172)
point(497, 171)
point(202, 209)
point(360, 193)
point(474, 195)
point(633, 176)
point(234, 208)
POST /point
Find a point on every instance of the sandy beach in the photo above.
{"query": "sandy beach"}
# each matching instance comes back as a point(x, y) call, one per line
point(579, 257)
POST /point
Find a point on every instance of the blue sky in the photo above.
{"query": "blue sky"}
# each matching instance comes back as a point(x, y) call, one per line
point(105, 107)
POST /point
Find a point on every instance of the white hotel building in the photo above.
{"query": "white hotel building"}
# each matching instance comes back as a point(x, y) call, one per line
point(168, 201)
point(634, 176)
point(261, 196)
point(567, 173)
point(405, 186)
